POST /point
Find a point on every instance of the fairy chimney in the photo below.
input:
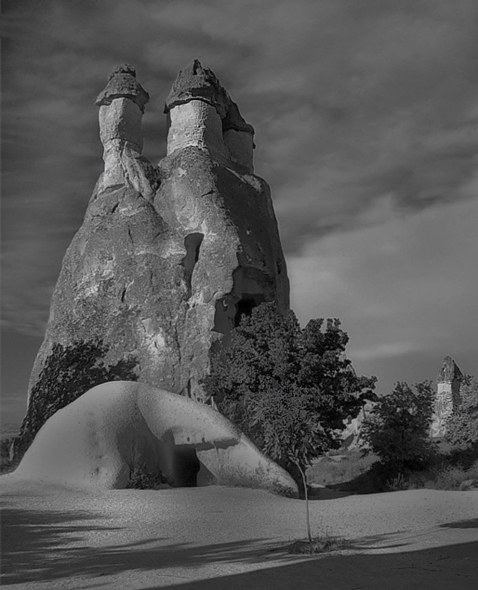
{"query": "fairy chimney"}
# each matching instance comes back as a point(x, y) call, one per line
point(169, 257)
point(447, 397)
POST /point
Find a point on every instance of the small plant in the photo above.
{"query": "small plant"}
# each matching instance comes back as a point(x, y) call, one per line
point(325, 543)
point(142, 478)
point(398, 483)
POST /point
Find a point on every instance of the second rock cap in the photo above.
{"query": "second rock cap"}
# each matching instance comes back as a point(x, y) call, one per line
point(122, 83)
point(196, 82)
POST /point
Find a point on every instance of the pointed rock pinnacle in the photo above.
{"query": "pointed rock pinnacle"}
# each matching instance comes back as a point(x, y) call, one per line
point(196, 82)
point(449, 371)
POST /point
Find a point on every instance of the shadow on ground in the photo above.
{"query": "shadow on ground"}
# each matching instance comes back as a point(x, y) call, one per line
point(446, 568)
point(462, 524)
point(51, 546)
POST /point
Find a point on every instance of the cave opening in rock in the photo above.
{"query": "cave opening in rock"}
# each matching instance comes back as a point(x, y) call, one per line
point(186, 466)
point(192, 243)
point(228, 312)
point(246, 304)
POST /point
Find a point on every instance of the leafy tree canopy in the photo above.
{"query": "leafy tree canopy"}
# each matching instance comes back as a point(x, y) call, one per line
point(289, 389)
point(397, 429)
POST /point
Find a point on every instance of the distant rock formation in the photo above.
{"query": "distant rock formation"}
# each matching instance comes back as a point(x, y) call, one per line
point(352, 433)
point(169, 257)
point(448, 396)
point(98, 440)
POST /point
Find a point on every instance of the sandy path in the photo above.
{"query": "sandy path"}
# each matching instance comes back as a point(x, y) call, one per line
point(229, 538)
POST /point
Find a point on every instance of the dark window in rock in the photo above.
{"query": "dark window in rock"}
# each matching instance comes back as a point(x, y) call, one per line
point(192, 243)
point(186, 466)
point(224, 315)
point(246, 304)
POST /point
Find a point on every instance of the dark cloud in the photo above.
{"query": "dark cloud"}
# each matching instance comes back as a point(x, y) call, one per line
point(365, 115)
point(403, 285)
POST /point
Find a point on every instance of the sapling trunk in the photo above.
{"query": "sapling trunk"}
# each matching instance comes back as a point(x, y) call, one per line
point(306, 493)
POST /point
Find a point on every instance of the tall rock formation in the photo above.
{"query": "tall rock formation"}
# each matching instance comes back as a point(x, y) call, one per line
point(447, 397)
point(169, 257)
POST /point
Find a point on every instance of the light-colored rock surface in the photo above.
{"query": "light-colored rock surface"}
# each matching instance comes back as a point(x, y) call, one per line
point(352, 434)
point(96, 441)
point(218, 538)
point(169, 257)
point(447, 397)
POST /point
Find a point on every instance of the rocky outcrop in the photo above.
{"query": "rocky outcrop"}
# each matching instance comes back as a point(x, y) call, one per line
point(169, 256)
point(98, 440)
point(352, 433)
point(447, 397)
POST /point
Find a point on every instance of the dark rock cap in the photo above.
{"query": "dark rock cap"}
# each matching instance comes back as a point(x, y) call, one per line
point(122, 83)
point(195, 82)
point(449, 371)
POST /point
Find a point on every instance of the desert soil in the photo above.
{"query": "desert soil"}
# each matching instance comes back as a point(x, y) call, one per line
point(216, 538)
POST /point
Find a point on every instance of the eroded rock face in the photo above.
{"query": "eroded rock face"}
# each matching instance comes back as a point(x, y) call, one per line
point(447, 397)
point(168, 257)
point(98, 440)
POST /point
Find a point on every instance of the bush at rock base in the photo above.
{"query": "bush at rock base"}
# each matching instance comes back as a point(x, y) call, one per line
point(142, 478)
point(69, 371)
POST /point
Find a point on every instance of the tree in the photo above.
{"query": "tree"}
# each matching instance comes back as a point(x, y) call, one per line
point(462, 426)
point(68, 372)
point(288, 389)
point(397, 429)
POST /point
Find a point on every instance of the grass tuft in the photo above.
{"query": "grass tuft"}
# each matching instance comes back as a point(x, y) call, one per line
point(142, 478)
point(321, 544)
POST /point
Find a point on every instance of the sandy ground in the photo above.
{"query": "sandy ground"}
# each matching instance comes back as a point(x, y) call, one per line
point(216, 537)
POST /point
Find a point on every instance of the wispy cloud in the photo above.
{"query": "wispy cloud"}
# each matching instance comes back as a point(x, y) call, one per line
point(367, 128)
point(398, 285)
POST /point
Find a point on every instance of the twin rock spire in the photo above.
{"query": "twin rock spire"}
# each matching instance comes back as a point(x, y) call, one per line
point(200, 113)
point(169, 257)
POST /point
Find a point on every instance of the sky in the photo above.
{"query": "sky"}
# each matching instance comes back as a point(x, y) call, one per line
point(366, 120)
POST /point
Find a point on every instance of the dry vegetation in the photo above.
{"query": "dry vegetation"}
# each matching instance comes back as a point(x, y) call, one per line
point(353, 473)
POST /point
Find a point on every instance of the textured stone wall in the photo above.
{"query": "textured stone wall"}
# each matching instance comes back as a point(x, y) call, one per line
point(169, 256)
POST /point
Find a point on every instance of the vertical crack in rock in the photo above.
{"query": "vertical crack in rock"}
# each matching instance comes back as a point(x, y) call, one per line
point(192, 243)
point(224, 315)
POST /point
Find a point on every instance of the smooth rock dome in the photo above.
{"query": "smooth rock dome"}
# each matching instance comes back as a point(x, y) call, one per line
point(97, 440)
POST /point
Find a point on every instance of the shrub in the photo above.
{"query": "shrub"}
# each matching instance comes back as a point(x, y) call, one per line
point(289, 389)
point(325, 543)
point(445, 477)
point(68, 372)
point(398, 426)
point(462, 426)
point(142, 478)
